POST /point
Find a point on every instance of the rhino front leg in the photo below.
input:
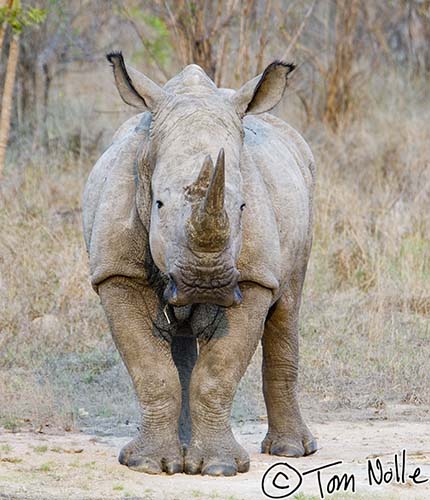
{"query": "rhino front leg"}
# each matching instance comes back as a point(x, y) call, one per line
point(288, 435)
point(129, 308)
point(221, 364)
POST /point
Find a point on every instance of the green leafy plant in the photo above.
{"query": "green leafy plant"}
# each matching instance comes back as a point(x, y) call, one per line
point(18, 17)
point(11, 424)
point(46, 467)
point(40, 449)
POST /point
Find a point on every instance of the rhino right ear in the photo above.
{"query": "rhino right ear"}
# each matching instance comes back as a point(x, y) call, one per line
point(134, 87)
point(263, 92)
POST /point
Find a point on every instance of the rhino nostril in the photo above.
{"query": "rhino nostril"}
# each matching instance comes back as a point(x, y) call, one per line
point(237, 296)
point(171, 277)
point(171, 291)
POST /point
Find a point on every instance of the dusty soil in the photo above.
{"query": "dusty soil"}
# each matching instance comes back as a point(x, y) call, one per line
point(76, 465)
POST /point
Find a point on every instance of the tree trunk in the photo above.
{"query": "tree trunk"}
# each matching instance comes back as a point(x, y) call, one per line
point(7, 99)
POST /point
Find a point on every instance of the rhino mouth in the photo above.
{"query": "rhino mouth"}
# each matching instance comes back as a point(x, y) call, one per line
point(203, 288)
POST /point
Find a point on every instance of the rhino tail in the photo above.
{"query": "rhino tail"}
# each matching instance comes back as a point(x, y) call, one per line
point(184, 353)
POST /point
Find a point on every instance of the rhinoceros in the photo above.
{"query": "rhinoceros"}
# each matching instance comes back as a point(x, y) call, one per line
point(198, 225)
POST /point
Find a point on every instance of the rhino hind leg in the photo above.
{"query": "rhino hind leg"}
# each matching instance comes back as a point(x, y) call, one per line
point(288, 434)
point(221, 364)
point(148, 359)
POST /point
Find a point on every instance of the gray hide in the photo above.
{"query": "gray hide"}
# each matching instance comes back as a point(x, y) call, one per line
point(198, 224)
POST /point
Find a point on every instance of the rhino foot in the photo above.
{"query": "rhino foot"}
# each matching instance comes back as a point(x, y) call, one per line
point(141, 456)
point(216, 459)
point(289, 445)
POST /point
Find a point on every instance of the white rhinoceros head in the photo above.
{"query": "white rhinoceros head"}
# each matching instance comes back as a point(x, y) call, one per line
point(196, 205)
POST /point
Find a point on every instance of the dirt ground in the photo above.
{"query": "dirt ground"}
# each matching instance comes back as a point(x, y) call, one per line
point(76, 465)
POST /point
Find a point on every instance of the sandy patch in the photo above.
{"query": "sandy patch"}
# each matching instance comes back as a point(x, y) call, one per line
point(81, 466)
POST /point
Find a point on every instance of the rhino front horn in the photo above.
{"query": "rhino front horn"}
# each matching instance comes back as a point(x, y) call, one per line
point(214, 199)
point(208, 227)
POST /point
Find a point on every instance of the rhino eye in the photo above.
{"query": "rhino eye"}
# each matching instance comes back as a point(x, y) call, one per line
point(159, 204)
point(242, 206)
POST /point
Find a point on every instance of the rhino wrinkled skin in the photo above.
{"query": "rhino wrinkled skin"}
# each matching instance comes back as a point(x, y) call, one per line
point(198, 225)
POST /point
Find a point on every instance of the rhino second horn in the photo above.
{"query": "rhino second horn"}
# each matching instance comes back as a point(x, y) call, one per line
point(205, 174)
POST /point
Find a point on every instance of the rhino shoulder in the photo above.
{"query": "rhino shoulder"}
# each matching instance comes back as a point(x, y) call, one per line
point(264, 128)
point(278, 177)
point(142, 121)
point(115, 237)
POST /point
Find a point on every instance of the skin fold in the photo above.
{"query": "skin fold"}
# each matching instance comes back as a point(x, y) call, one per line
point(198, 226)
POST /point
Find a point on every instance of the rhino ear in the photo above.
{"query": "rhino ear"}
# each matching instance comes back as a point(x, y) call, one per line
point(263, 92)
point(134, 87)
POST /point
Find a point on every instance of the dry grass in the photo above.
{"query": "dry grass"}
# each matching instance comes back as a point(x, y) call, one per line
point(365, 324)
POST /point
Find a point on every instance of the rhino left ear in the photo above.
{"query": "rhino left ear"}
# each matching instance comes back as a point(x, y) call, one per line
point(263, 92)
point(134, 87)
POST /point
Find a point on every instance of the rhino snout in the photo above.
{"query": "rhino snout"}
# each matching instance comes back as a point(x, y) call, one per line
point(189, 289)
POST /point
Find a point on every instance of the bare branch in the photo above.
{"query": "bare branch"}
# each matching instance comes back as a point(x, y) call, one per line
point(299, 31)
point(263, 36)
